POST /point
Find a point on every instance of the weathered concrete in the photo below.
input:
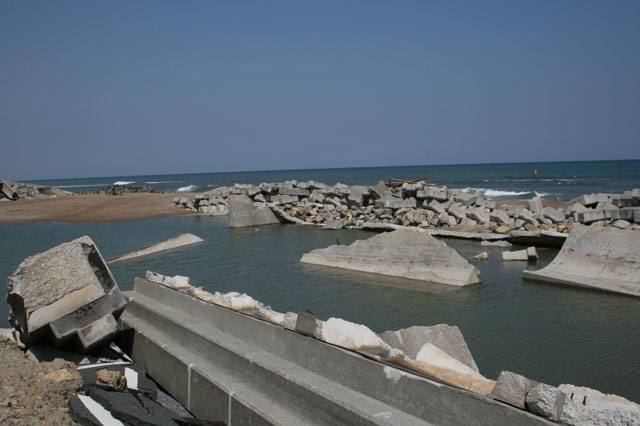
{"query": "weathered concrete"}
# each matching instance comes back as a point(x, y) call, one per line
point(223, 365)
point(596, 257)
point(402, 253)
point(447, 338)
point(512, 388)
point(243, 212)
point(173, 243)
point(527, 254)
point(64, 292)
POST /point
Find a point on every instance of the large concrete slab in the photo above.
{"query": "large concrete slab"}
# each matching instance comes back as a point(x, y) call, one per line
point(244, 212)
point(173, 243)
point(402, 253)
point(604, 258)
point(225, 365)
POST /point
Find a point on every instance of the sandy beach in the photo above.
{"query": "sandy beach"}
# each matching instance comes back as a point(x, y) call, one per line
point(92, 208)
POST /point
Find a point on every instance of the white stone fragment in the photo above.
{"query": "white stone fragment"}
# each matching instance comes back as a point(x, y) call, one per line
point(177, 282)
point(353, 336)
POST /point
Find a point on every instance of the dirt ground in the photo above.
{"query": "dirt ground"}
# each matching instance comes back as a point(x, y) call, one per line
point(92, 208)
point(33, 393)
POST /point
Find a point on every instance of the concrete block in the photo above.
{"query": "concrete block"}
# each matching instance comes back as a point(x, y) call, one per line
point(584, 406)
point(285, 199)
point(396, 203)
point(97, 333)
point(555, 215)
point(545, 401)
point(479, 215)
point(535, 205)
point(306, 324)
point(447, 338)
point(604, 258)
point(243, 212)
point(433, 193)
point(458, 211)
point(512, 388)
point(436, 207)
point(173, 243)
point(587, 200)
point(499, 243)
point(335, 224)
point(500, 217)
point(401, 253)
point(526, 254)
point(591, 216)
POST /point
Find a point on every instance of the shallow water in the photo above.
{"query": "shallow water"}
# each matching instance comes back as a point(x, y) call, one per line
point(549, 333)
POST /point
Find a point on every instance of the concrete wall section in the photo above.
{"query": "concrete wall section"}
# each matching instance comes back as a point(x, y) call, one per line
point(603, 258)
point(224, 365)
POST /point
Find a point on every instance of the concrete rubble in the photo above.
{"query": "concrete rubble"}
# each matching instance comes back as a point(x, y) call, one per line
point(245, 212)
point(173, 243)
point(25, 191)
point(419, 205)
point(65, 295)
point(401, 253)
point(604, 258)
point(527, 254)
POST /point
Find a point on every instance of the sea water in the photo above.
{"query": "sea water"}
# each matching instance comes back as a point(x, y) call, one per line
point(554, 334)
point(500, 181)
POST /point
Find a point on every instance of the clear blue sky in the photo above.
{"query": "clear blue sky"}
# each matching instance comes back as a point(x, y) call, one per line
point(110, 88)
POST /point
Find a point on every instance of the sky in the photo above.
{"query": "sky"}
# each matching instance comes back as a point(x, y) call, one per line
point(110, 88)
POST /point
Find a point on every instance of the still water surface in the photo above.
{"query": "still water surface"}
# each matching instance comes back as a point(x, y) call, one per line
point(548, 333)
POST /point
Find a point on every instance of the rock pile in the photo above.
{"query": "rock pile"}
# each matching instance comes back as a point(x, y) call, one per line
point(26, 191)
point(416, 204)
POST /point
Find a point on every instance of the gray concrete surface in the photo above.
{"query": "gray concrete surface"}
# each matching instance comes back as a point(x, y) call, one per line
point(224, 365)
point(604, 258)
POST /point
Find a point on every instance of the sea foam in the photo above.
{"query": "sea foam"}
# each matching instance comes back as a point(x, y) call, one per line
point(186, 188)
point(122, 182)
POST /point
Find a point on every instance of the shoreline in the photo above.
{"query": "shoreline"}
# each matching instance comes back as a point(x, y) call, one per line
point(92, 208)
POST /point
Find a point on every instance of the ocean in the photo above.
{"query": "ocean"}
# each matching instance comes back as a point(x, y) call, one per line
point(509, 181)
point(548, 333)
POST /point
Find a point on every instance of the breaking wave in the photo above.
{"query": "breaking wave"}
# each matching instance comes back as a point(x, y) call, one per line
point(186, 188)
point(162, 181)
point(498, 193)
point(122, 182)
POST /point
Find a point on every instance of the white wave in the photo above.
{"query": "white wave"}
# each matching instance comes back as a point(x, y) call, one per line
point(540, 194)
point(186, 188)
point(122, 182)
point(498, 193)
point(163, 181)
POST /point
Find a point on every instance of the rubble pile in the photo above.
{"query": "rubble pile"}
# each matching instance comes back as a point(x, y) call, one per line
point(125, 189)
point(417, 204)
point(26, 191)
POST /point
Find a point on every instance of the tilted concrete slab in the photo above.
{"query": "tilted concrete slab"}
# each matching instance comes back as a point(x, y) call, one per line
point(402, 253)
point(173, 243)
point(244, 212)
point(225, 365)
point(604, 258)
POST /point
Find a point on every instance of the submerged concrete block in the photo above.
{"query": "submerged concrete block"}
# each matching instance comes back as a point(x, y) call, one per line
point(447, 338)
point(529, 253)
point(173, 243)
point(402, 253)
point(56, 293)
point(603, 258)
point(243, 212)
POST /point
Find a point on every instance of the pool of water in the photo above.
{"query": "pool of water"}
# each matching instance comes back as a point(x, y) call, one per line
point(549, 333)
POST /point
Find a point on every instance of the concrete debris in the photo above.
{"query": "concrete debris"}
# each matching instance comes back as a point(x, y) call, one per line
point(243, 212)
point(402, 253)
point(447, 338)
point(512, 388)
point(178, 282)
point(529, 253)
point(413, 205)
point(356, 337)
point(605, 258)
point(481, 256)
point(64, 293)
point(26, 191)
point(173, 243)
point(500, 243)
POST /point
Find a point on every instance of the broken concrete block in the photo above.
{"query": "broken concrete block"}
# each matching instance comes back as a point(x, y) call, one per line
point(545, 400)
point(353, 336)
point(99, 332)
point(67, 287)
point(436, 207)
point(436, 363)
point(526, 254)
point(512, 388)
point(177, 282)
point(306, 324)
point(176, 242)
point(433, 193)
point(335, 224)
point(284, 199)
point(584, 406)
point(605, 258)
point(243, 212)
point(555, 215)
point(458, 211)
point(447, 338)
point(535, 205)
point(481, 256)
point(500, 217)
point(479, 215)
point(499, 243)
point(586, 200)
point(401, 253)
point(590, 216)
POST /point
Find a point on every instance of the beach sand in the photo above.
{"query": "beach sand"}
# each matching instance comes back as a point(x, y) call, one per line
point(92, 208)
